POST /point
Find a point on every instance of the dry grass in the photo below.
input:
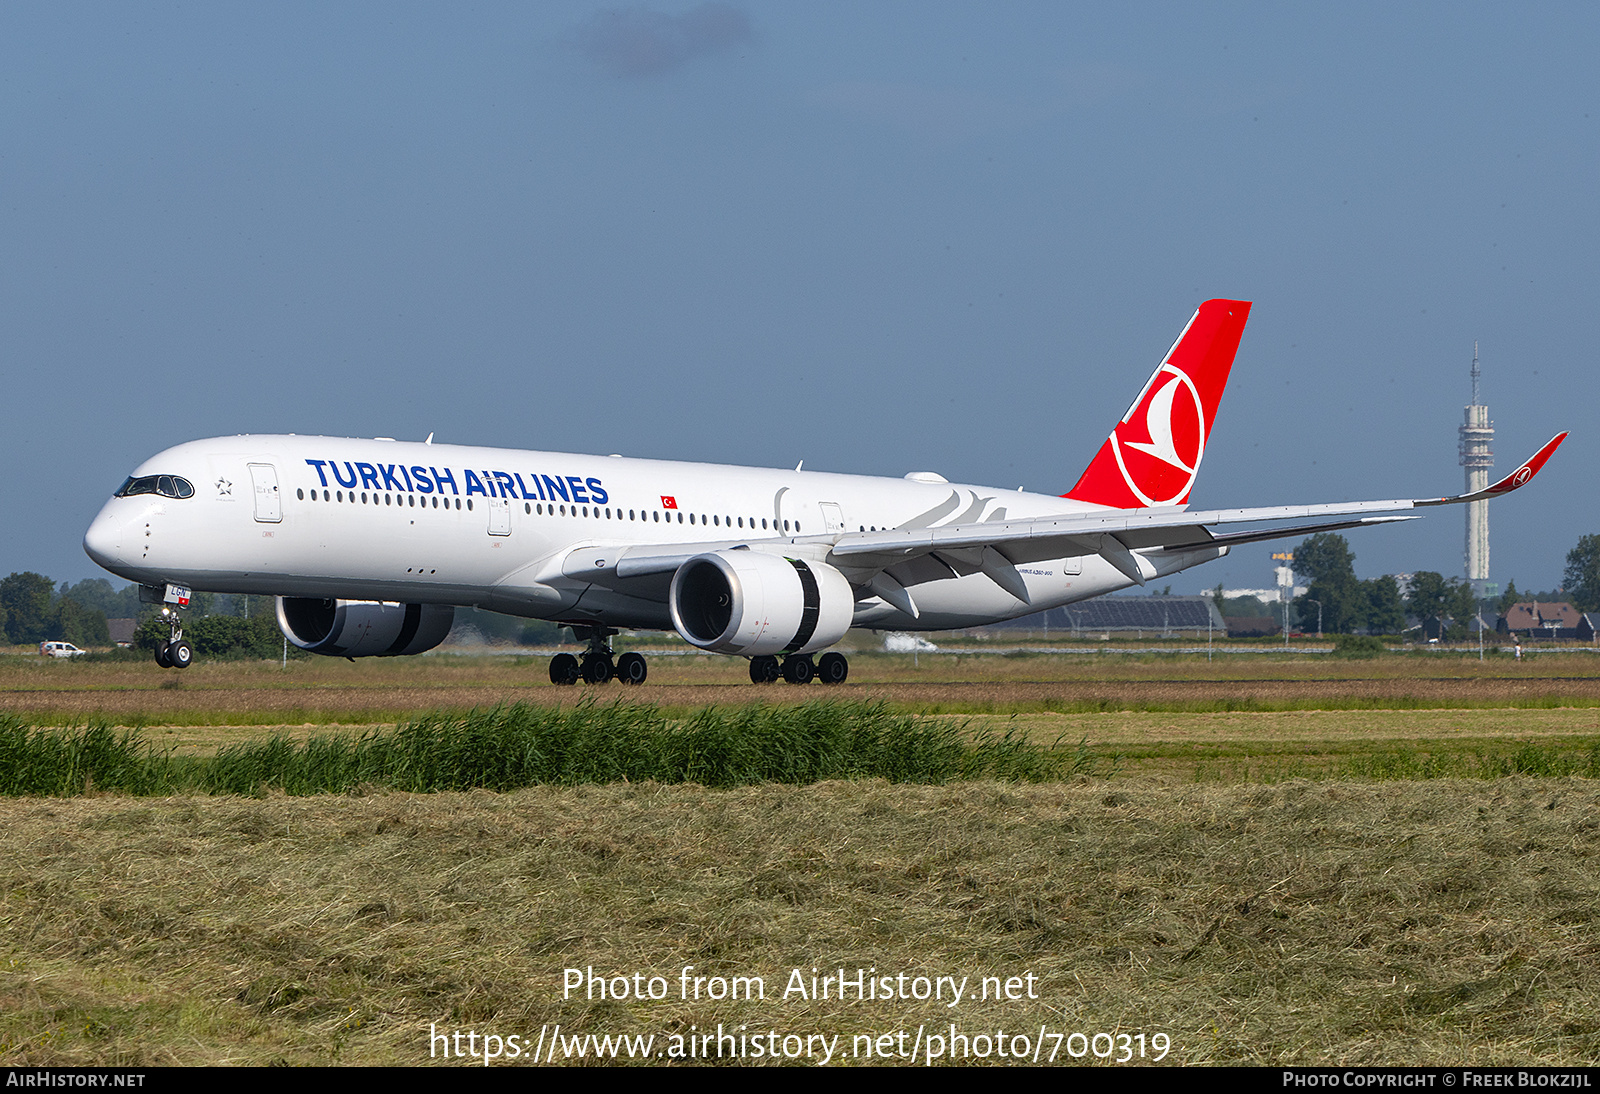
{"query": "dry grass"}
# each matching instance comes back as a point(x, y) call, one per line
point(1417, 923)
point(328, 691)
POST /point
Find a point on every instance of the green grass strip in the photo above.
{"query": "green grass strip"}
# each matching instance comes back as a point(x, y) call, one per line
point(507, 747)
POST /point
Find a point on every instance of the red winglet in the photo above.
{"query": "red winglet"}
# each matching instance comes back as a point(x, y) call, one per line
point(1520, 477)
point(1528, 470)
point(1154, 452)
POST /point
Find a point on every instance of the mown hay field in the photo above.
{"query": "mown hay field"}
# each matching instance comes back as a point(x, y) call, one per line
point(1242, 884)
point(1441, 922)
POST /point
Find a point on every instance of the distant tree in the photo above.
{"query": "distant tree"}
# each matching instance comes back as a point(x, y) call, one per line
point(1248, 607)
point(1329, 564)
point(150, 633)
point(1582, 577)
point(26, 598)
point(475, 624)
point(72, 622)
point(1437, 601)
point(1385, 612)
point(97, 594)
point(1324, 555)
point(1508, 598)
point(1463, 606)
point(246, 607)
point(235, 636)
point(536, 632)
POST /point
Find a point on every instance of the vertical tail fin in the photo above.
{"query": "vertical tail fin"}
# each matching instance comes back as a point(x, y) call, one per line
point(1154, 452)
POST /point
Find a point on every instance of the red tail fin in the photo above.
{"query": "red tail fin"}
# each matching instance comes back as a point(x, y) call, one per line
point(1154, 452)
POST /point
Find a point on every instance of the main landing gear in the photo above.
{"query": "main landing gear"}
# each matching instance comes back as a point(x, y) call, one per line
point(596, 665)
point(173, 652)
point(830, 668)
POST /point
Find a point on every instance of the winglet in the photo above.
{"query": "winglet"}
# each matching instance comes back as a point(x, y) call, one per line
point(1518, 478)
point(1154, 452)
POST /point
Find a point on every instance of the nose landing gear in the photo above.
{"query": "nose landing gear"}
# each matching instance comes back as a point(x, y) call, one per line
point(173, 652)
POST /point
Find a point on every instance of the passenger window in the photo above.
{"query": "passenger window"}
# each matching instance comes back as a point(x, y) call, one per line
point(299, 494)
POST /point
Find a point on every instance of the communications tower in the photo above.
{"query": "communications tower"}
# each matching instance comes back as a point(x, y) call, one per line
point(1477, 456)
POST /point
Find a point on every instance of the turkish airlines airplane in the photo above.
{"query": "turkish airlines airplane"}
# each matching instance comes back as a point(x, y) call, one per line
point(370, 544)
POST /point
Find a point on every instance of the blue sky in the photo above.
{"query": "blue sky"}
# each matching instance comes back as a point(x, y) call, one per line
point(877, 237)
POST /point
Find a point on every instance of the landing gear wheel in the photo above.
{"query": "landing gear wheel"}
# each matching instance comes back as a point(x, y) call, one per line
point(763, 670)
point(598, 670)
point(564, 669)
point(180, 655)
point(798, 670)
point(832, 668)
point(161, 654)
point(631, 668)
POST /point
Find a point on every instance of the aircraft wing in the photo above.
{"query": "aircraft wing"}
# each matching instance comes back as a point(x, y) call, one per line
point(996, 548)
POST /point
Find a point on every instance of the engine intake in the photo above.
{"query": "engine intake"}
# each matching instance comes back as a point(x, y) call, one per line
point(753, 604)
point(363, 628)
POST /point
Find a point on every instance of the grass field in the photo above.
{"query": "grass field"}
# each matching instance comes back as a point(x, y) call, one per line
point(1267, 878)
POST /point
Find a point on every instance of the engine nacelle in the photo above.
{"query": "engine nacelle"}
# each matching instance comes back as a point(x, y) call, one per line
point(363, 628)
point(753, 603)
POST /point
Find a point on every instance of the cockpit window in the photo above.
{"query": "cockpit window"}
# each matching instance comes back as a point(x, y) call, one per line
point(167, 486)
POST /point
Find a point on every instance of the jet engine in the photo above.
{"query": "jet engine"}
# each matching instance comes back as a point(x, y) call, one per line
point(363, 628)
point(754, 604)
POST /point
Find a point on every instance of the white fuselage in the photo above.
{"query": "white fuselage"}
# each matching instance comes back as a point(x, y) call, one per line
point(496, 528)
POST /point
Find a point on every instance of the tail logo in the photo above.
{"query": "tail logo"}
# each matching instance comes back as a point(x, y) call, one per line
point(1176, 429)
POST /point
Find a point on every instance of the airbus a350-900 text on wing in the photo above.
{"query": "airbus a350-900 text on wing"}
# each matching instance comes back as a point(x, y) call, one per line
point(369, 545)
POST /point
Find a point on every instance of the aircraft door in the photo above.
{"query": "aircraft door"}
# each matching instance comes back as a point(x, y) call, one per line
point(269, 506)
point(499, 517)
point(832, 516)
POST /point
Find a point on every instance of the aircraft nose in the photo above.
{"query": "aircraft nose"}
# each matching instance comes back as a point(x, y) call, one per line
point(103, 541)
